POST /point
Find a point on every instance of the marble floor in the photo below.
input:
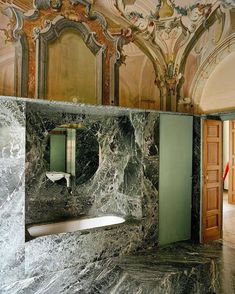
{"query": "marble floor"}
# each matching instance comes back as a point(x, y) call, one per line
point(178, 268)
point(228, 221)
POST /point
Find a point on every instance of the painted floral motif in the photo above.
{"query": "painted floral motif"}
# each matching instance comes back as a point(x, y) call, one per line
point(198, 9)
point(203, 9)
point(166, 10)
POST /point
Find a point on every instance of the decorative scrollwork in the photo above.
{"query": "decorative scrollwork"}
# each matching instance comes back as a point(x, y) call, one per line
point(36, 33)
point(47, 4)
point(71, 15)
point(42, 4)
point(56, 4)
point(8, 35)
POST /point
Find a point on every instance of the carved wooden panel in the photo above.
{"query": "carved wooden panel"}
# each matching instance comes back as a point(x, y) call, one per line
point(212, 184)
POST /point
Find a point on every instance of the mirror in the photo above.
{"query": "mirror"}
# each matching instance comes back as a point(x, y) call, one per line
point(72, 154)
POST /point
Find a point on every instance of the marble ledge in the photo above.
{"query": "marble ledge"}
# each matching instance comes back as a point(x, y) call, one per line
point(79, 108)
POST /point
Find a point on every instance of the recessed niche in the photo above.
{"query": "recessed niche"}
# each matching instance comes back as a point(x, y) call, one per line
point(72, 155)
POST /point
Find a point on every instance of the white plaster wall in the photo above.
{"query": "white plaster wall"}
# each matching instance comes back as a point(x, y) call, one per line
point(219, 91)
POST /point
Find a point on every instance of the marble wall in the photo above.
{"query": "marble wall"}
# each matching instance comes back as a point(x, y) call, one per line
point(114, 188)
point(125, 184)
point(196, 185)
point(12, 185)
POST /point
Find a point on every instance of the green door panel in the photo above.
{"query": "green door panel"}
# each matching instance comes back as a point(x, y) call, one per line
point(175, 178)
point(58, 153)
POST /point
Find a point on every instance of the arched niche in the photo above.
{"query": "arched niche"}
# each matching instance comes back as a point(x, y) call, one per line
point(214, 68)
point(219, 91)
point(70, 63)
point(137, 87)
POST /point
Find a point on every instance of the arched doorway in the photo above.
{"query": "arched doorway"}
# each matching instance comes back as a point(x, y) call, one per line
point(218, 95)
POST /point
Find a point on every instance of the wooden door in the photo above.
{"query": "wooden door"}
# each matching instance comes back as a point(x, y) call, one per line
point(231, 189)
point(212, 181)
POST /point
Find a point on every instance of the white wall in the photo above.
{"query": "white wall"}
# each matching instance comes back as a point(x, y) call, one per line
point(219, 91)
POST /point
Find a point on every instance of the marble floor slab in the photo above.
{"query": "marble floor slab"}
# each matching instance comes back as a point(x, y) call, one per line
point(178, 268)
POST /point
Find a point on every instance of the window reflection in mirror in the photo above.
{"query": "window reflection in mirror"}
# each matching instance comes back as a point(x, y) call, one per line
point(73, 154)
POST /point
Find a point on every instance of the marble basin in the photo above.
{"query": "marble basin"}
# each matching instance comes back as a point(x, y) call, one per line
point(73, 225)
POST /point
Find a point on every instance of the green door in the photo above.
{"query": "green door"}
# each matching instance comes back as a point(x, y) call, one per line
point(175, 178)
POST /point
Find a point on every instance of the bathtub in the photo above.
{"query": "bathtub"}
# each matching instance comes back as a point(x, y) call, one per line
point(73, 225)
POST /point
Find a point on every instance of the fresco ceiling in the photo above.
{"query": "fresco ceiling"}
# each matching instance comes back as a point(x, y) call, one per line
point(166, 25)
point(166, 31)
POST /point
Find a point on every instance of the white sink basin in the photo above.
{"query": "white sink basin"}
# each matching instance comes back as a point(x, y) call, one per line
point(74, 225)
point(56, 176)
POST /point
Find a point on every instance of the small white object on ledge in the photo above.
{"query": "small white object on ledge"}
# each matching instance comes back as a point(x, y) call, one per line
point(56, 176)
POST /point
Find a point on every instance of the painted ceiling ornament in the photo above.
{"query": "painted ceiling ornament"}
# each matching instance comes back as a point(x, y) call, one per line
point(41, 4)
point(8, 31)
point(71, 15)
point(172, 76)
point(128, 2)
point(165, 10)
point(228, 3)
point(162, 9)
point(167, 24)
point(14, 27)
point(56, 4)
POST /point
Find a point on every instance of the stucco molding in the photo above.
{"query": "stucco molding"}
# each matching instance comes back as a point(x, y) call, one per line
point(50, 33)
point(16, 35)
